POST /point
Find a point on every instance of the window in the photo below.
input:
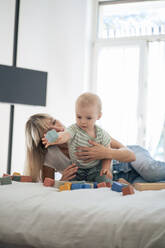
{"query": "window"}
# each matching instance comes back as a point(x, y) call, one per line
point(129, 72)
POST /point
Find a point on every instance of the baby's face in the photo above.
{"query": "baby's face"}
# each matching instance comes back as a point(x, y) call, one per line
point(86, 116)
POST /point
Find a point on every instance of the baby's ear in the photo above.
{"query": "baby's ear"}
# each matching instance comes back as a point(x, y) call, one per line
point(99, 115)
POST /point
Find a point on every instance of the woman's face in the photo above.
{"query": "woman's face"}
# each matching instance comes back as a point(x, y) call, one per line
point(56, 124)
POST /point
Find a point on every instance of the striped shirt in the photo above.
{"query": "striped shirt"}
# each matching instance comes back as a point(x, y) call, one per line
point(80, 138)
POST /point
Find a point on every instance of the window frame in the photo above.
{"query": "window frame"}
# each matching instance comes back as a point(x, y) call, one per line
point(143, 42)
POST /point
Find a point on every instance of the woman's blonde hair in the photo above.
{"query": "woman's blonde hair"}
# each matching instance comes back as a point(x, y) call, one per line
point(35, 128)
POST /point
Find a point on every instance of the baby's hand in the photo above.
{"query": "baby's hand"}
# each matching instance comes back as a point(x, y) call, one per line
point(106, 172)
point(45, 142)
point(50, 138)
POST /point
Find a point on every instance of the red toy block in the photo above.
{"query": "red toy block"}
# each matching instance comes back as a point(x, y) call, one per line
point(108, 184)
point(100, 185)
point(7, 175)
point(49, 182)
point(26, 179)
point(128, 190)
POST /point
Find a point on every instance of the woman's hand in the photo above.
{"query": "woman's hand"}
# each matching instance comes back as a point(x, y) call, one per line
point(117, 151)
point(94, 152)
point(69, 173)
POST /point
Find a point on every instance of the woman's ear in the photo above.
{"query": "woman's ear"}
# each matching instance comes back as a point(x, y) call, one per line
point(99, 116)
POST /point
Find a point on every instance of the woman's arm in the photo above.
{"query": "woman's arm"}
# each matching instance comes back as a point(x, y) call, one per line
point(117, 151)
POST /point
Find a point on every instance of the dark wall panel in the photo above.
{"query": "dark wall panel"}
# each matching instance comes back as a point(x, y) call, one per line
point(22, 86)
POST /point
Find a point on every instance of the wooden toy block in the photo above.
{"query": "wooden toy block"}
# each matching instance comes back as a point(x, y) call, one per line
point(76, 186)
point(49, 182)
point(128, 190)
point(87, 185)
point(149, 186)
point(16, 174)
point(95, 185)
point(68, 184)
point(108, 184)
point(123, 181)
point(118, 186)
point(51, 136)
point(64, 187)
point(5, 180)
point(26, 179)
point(91, 184)
point(7, 175)
point(16, 178)
point(101, 185)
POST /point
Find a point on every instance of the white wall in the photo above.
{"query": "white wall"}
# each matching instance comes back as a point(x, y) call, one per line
point(6, 49)
point(53, 37)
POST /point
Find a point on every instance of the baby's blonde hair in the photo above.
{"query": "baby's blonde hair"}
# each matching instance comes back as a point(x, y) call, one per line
point(35, 128)
point(88, 98)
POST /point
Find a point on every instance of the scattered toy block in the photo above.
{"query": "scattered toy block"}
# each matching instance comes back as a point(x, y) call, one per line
point(16, 174)
point(5, 180)
point(26, 179)
point(7, 175)
point(123, 181)
point(76, 186)
point(87, 185)
point(149, 186)
point(108, 184)
point(101, 185)
point(16, 178)
point(68, 184)
point(95, 185)
point(91, 184)
point(51, 136)
point(64, 187)
point(128, 190)
point(49, 182)
point(118, 186)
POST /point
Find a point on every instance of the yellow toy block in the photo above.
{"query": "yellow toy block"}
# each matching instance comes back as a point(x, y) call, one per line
point(16, 174)
point(149, 186)
point(64, 187)
point(68, 184)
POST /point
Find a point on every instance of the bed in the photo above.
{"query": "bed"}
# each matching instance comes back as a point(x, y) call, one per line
point(32, 215)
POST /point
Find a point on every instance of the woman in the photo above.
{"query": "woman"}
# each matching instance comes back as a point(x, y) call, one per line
point(41, 162)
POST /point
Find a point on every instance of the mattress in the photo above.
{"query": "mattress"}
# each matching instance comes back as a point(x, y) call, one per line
point(32, 215)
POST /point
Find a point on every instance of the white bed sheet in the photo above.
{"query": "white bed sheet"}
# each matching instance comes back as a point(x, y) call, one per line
point(37, 216)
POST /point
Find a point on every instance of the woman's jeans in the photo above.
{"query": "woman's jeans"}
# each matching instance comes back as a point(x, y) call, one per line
point(149, 169)
point(143, 169)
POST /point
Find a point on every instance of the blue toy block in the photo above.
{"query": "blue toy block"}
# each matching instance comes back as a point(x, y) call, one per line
point(76, 186)
point(118, 186)
point(51, 136)
point(86, 186)
point(95, 185)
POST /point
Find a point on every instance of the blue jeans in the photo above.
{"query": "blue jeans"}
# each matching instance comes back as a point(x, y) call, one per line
point(91, 174)
point(124, 170)
point(143, 169)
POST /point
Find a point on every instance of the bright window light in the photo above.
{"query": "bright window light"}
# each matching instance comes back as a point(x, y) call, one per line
point(118, 86)
point(131, 19)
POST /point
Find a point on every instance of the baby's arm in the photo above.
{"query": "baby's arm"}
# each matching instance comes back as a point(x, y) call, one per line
point(106, 167)
point(59, 138)
point(63, 137)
